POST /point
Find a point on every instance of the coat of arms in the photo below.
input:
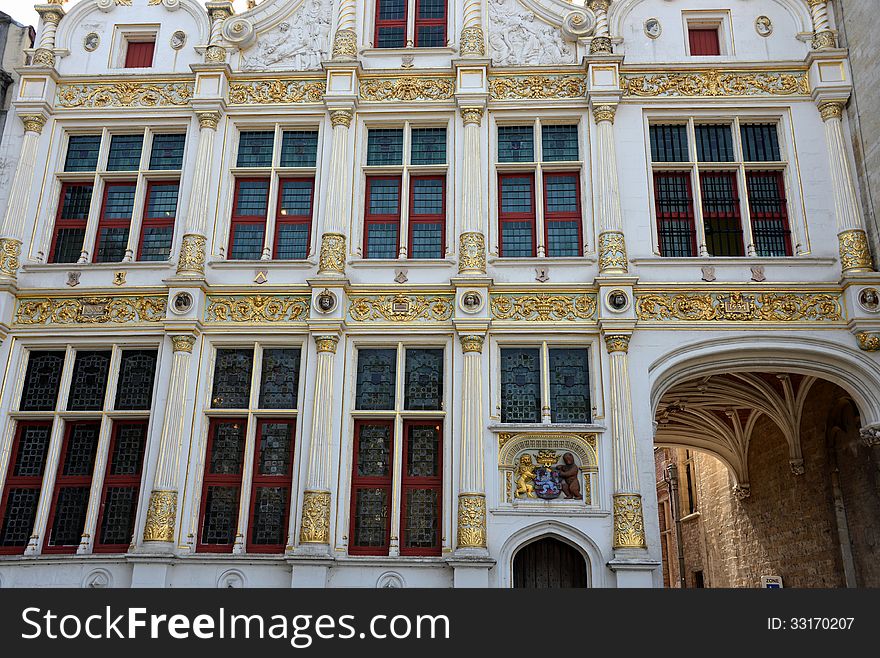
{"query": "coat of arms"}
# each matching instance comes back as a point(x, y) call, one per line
point(547, 483)
point(547, 479)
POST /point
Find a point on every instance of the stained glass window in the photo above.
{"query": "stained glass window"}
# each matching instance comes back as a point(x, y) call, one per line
point(299, 148)
point(136, 373)
point(271, 486)
point(221, 515)
point(516, 144)
point(125, 152)
point(559, 142)
point(18, 507)
point(89, 383)
point(374, 449)
point(385, 146)
point(424, 379)
point(269, 525)
point(376, 377)
point(274, 445)
point(255, 148)
point(121, 486)
point(569, 386)
point(280, 378)
point(232, 378)
point(33, 444)
point(520, 386)
point(371, 518)
point(167, 151)
point(227, 447)
point(423, 450)
point(421, 529)
point(428, 146)
point(41, 381)
point(82, 153)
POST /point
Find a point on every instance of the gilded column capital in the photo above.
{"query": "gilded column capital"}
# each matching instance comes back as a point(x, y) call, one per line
point(472, 41)
point(344, 45)
point(332, 258)
point(208, 119)
point(326, 343)
point(43, 57)
point(471, 343)
point(341, 118)
point(315, 526)
point(629, 522)
point(604, 113)
point(471, 520)
point(33, 123)
point(48, 14)
point(472, 252)
point(612, 252)
point(10, 252)
point(472, 115)
point(617, 342)
point(855, 256)
point(183, 343)
point(161, 516)
point(192, 254)
point(215, 54)
point(831, 110)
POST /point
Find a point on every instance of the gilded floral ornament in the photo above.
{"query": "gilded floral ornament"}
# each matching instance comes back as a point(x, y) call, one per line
point(90, 310)
point(738, 306)
point(344, 45)
point(472, 41)
point(855, 256)
point(471, 343)
point(215, 54)
point(315, 528)
point(471, 521)
point(341, 118)
point(125, 94)
point(332, 258)
point(161, 516)
point(326, 343)
point(537, 87)
point(600, 46)
point(831, 110)
point(33, 123)
point(714, 83)
point(192, 251)
point(612, 252)
point(869, 342)
point(43, 57)
point(183, 343)
point(629, 524)
point(824, 40)
point(208, 120)
point(407, 89)
point(544, 307)
point(617, 343)
point(472, 115)
point(401, 308)
point(604, 113)
point(277, 91)
point(472, 252)
point(258, 308)
point(10, 252)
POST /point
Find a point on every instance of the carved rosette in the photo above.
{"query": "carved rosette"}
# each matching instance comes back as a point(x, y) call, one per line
point(183, 343)
point(10, 250)
point(617, 343)
point(43, 57)
point(629, 524)
point(315, 528)
point(604, 113)
point(472, 257)
point(161, 515)
point(471, 343)
point(831, 110)
point(612, 252)
point(600, 46)
point(332, 259)
point(344, 45)
point(208, 119)
point(33, 123)
point(472, 41)
point(471, 521)
point(192, 255)
point(340, 118)
point(326, 343)
point(854, 253)
point(868, 342)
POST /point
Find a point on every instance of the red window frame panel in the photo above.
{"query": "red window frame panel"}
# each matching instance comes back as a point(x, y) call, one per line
point(516, 216)
point(241, 220)
point(410, 482)
point(425, 22)
point(20, 482)
point(269, 481)
point(288, 220)
point(156, 222)
point(61, 223)
point(704, 41)
point(219, 480)
point(104, 222)
point(133, 481)
point(139, 54)
point(736, 214)
point(371, 482)
point(67, 481)
point(783, 205)
point(563, 216)
point(689, 216)
point(390, 23)
point(385, 218)
point(427, 219)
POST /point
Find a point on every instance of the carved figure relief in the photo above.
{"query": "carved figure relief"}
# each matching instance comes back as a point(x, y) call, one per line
point(549, 467)
point(525, 477)
point(299, 43)
point(517, 37)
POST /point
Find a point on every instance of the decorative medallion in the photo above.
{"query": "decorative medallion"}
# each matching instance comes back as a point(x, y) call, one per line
point(258, 308)
point(406, 89)
point(537, 87)
point(326, 301)
point(544, 307)
point(737, 306)
point(617, 300)
point(90, 310)
point(653, 29)
point(869, 299)
point(182, 303)
point(91, 42)
point(471, 301)
point(714, 83)
point(763, 26)
point(124, 94)
point(178, 40)
point(315, 528)
point(277, 91)
point(401, 308)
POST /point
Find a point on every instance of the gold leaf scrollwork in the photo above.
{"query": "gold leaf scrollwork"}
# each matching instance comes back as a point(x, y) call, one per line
point(90, 310)
point(401, 308)
point(267, 92)
point(715, 83)
point(332, 258)
point(161, 515)
point(472, 41)
point(543, 307)
point(471, 521)
point(868, 342)
point(258, 308)
point(617, 343)
point(854, 253)
point(192, 254)
point(125, 94)
point(537, 87)
point(407, 88)
point(344, 44)
point(472, 252)
point(10, 251)
point(737, 306)
point(612, 252)
point(315, 527)
point(629, 524)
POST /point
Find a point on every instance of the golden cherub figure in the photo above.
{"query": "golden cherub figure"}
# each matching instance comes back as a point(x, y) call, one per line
point(525, 477)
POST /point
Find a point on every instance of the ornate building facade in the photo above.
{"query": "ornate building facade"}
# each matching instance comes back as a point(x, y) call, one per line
point(405, 292)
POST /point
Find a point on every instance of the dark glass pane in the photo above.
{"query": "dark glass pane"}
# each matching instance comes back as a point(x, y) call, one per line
point(128, 448)
point(721, 214)
point(421, 529)
point(385, 146)
point(376, 376)
point(70, 516)
point(569, 386)
point(431, 36)
point(427, 240)
point(41, 381)
point(21, 510)
point(296, 198)
point(516, 144)
point(563, 238)
point(675, 219)
point(424, 379)
point(252, 199)
point(221, 515)
point(247, 242)
point(125, 152)
point(89, 381)
point(428, 146)
point(769, 215)
point(517, 239)
point(112, 243)
point(278, 390)
point(516, 194)
point(381, 240)
point(232, 378)
point(33, 444)
point(274, 444)
point(432, 9)
point(82, 444)
point(371, 517)
point(427, 196)
point(292, 242)
point(714, 143)
point(520, 386)
point(76, 201)
point(384, 196)
point(227, 448)
point(68, 245)
point(136, 372)
point(162, 200)
point(392, 10)
point(559, 143)
point(669, 143)
point(255, 148)
point(117, 522)
point(299, 148)
point(269, 524)
point(561, 192)
point(167, 151)
point(374, 450)
point(760, 143)
point(391, 37)
point(423, 451)
point(82, 153)
point(156, 243)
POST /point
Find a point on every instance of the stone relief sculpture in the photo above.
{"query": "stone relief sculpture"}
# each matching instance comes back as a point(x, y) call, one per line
point(517, 37)
point(299, 43)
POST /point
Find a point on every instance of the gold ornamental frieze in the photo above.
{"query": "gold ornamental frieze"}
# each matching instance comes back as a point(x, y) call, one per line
point(401, 308)
point(544, 307)
point(714, 83)
point(407, 89)
point(277, 91)
point(257, 309)
point(45, 311)
point(124, 94)
point(537, 87)
point(740, 306)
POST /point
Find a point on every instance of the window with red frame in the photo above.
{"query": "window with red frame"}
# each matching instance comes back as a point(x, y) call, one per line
point(427, 216)
point(674, 204)
point(562, 214)
point(721, 213)
point(18, 505)
point(221, 488)
point(270, 489)
point(293, 222)
point(767, 206)
point(115, 222)
point(139, 54)
point(371, 488)
point(70, 223)
point(516, 215)
point(391, 23)
point(157, 228)
point(122, 484)
point(422, 488)
point(704, 41)
point(382, 217)
point(248, 227)
point(430, 24)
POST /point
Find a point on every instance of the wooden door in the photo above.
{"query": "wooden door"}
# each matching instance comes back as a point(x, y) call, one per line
point(549, 563)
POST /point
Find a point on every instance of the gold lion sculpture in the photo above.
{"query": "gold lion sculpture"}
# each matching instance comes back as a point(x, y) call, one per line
point(525, 477)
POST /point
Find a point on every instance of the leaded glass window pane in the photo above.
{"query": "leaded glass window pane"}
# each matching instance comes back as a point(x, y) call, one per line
point(255, 148)
point(427, 196)
point(385, 146)
point(82, 445)
point(33, 444)
point(247, 242)
point(559, 143)
point(156, 243)
point(423, 450)
point(82, 153)
point(120, 201)
point(299, 148)
point(128, 449)
point(232, 378)
point(68, 245)
point(41, 381)
point(70, 516)
point(280, 378)
point(227, 448)
point(296, 198)
point(21, 510)
point(669, 143)
point(517, 239)
point(374, 450)
point(252, 199)
point(420, 526)
point(221, 515)
point(274, 444)
point(167, 151)
point(760, 143)
point(292, 242)
point(424, 379)
point(714, 143)
point(112, 243)
point(75, 202)
point(117, 522)
point(89, 383)
point(162, 200)
point(563, 239)
point(428, 146)
point(269, 526)
point(516, 144)
point(516, 194)
point(376, 377)
point(381, 240)
point(371, 517)
point(569, 386)
point(391, 37)
point(125, 152)
point(427, 240)
point(520, 385)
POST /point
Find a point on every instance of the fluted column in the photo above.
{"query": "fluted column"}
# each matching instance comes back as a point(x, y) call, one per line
point(162, 511)
point(855, 255)
point(332, 260)
point(823, 37)
point(193, 247)
point(612, 245)
point(345, 38)
point(218, 12)
point(472, 486)
point(601, 42)
point(315, 526)
point(472, 243)
point(629, 524)
point(472, 41)
point(51, 15)
point(19, 197)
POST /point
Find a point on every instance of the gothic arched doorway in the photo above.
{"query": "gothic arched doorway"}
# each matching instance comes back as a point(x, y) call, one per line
point(547, 563)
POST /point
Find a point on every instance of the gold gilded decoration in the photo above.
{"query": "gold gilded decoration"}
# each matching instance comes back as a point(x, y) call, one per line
point(868, 342)
point(617, 343)
point(90, 310)
point(823, 40)
point(472, 252)
point(161, 515)
point(341, 118)
point(125, 94)
point(43, 57)
point(183, 343)
point(716, 83)
point(542, 445)
point(33, 123)
point(544, 307)
point(401, 308)
point(471, 343)
point(332, 257)
point(472, 42)
point(215, 54)
point(831, 110)
point(119, 278)
point(600, 46)
point(503, 438)
point(604, 113)
point(407, 88)
point(326, 343)
point(192, 254)
point(344, 44)
point(48, 15)
point(537, 87)
point(472, 115)
point(10, 251)
point(471, 521)
point(258, 308)
point(277, 91)
point(612, 252)
point(525, 477)
point(315, 528)
point(737, 306)
point(855, 256)
point(629, 524)
point(208, 119)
